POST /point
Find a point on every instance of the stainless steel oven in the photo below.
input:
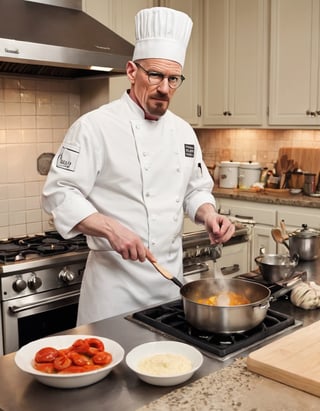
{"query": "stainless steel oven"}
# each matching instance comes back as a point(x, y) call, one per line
point(40, 293)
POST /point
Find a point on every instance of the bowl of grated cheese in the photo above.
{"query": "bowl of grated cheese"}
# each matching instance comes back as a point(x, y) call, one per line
point(164, 363)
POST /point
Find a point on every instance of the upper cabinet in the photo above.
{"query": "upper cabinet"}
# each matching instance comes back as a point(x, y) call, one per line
point(185, 102)
point(234, 50)
point(117, 15)
point(295, 63)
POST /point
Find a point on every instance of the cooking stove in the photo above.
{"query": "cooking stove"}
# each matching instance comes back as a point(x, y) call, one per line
point(38, 245)
point(169, 319)
point(40, 280)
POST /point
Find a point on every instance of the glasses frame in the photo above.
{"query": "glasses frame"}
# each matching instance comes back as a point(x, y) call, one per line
point(152, 81)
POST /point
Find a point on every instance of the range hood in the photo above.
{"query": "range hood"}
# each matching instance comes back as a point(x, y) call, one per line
point(56, 38)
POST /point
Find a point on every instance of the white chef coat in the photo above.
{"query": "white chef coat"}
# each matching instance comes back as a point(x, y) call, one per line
point(145, 174)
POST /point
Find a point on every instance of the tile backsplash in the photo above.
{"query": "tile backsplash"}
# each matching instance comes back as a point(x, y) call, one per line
point(34, 116)
point(260, 145)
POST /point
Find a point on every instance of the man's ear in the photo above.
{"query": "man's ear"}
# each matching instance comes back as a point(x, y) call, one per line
point(131, 69)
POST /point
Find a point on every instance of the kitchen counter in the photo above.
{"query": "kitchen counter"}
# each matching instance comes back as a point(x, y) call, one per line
point(268, 196)
point(216, 386)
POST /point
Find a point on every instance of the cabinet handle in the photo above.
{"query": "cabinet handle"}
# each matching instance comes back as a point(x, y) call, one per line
point(198, 110)
point(227, 113)
point(311, 113)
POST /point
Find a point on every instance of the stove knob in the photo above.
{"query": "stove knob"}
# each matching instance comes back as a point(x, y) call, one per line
point(66, 275)
point(34, 283)
point(19, 285)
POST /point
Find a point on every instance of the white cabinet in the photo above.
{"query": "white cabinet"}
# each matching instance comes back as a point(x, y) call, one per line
point(294, 63)
point(265, 217)
point(186, 98)
point(234, 62)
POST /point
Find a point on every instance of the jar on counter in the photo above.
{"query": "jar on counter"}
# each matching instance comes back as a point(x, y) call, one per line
point(309, 186)
point(249, 174)
point(228, 174)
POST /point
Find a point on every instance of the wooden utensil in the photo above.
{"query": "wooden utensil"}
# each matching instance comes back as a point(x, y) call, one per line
point(293, 359)
point(165, 273)
point(278, 238)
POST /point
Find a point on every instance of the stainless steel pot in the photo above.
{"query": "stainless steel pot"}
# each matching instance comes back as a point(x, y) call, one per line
point(305, 242)
point(225, 319)
point(276, 267)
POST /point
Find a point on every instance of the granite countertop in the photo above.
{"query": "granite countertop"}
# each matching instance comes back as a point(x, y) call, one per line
point(283, 197)
point(234, 388)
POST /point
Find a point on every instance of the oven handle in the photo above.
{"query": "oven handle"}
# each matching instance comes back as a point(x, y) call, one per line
point(202, 267)
point(231, 269)
point(18, 308)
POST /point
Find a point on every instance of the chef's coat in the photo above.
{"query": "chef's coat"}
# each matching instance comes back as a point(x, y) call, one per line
point(143, 173)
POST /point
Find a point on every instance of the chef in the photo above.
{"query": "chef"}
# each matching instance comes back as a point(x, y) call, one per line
point(127, 172)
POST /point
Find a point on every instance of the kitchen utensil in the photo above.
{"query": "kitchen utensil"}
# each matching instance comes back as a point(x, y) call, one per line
point(165, 273)
point(305, 242)
point(222, 318)
point(278, 237)
point(225, 319)
point(276, 267)
point(291, 360)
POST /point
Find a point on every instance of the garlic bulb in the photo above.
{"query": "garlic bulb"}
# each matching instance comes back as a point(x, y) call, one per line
point(306, 295)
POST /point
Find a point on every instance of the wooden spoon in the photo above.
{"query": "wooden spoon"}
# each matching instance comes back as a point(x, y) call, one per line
point(165, 273)
point(278, 238)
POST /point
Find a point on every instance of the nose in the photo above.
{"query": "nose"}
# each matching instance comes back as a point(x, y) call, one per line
point(163, 87)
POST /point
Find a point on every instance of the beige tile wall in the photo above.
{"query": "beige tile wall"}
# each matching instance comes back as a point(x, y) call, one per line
point(252, 145)
point(34, 115)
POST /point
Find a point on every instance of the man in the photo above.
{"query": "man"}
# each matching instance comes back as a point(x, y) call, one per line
point(126, 173)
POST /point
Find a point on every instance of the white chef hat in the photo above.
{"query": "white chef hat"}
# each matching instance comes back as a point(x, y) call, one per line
point(162, 33)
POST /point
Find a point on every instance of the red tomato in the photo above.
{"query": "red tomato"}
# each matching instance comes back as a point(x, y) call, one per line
point(80, 346)
point(62, 362)
point(95, 343)
point(46, 354)
point(78, 359)
point(46, 367)
point(102, 358)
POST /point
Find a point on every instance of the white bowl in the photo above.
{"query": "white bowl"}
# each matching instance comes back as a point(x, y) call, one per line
point(137, 354)
point(24, 359)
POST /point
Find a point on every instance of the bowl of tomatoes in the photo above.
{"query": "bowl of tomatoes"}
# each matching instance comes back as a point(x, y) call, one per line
point(69, 361)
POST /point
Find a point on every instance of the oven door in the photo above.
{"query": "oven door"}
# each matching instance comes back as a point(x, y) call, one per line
point(39, 315)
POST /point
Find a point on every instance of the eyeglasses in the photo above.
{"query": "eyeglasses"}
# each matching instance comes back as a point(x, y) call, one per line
point(156, 77)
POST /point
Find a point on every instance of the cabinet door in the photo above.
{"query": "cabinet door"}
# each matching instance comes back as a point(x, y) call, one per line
point(234, 49)
point(118, 15)
point(294, 62)
point(186, 99)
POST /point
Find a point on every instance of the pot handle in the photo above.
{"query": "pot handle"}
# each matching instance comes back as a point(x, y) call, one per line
point(264, 306)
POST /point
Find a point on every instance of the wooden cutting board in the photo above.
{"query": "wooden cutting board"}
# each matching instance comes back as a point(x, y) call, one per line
point(292, 360)
point(308, 159)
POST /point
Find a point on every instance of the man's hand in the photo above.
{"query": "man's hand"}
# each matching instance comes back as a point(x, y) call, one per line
point(219, 227)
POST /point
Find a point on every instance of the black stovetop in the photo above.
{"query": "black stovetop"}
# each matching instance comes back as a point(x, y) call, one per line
point(38, 245)
point(169, 319)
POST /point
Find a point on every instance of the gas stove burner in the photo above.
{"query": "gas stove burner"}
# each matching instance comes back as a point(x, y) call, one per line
point(39, 245)
point(169, 318)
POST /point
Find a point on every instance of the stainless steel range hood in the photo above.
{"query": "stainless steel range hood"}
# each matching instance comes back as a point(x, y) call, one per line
point(56, 38)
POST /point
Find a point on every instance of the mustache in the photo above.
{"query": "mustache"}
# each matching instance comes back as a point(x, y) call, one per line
point(160, 96)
